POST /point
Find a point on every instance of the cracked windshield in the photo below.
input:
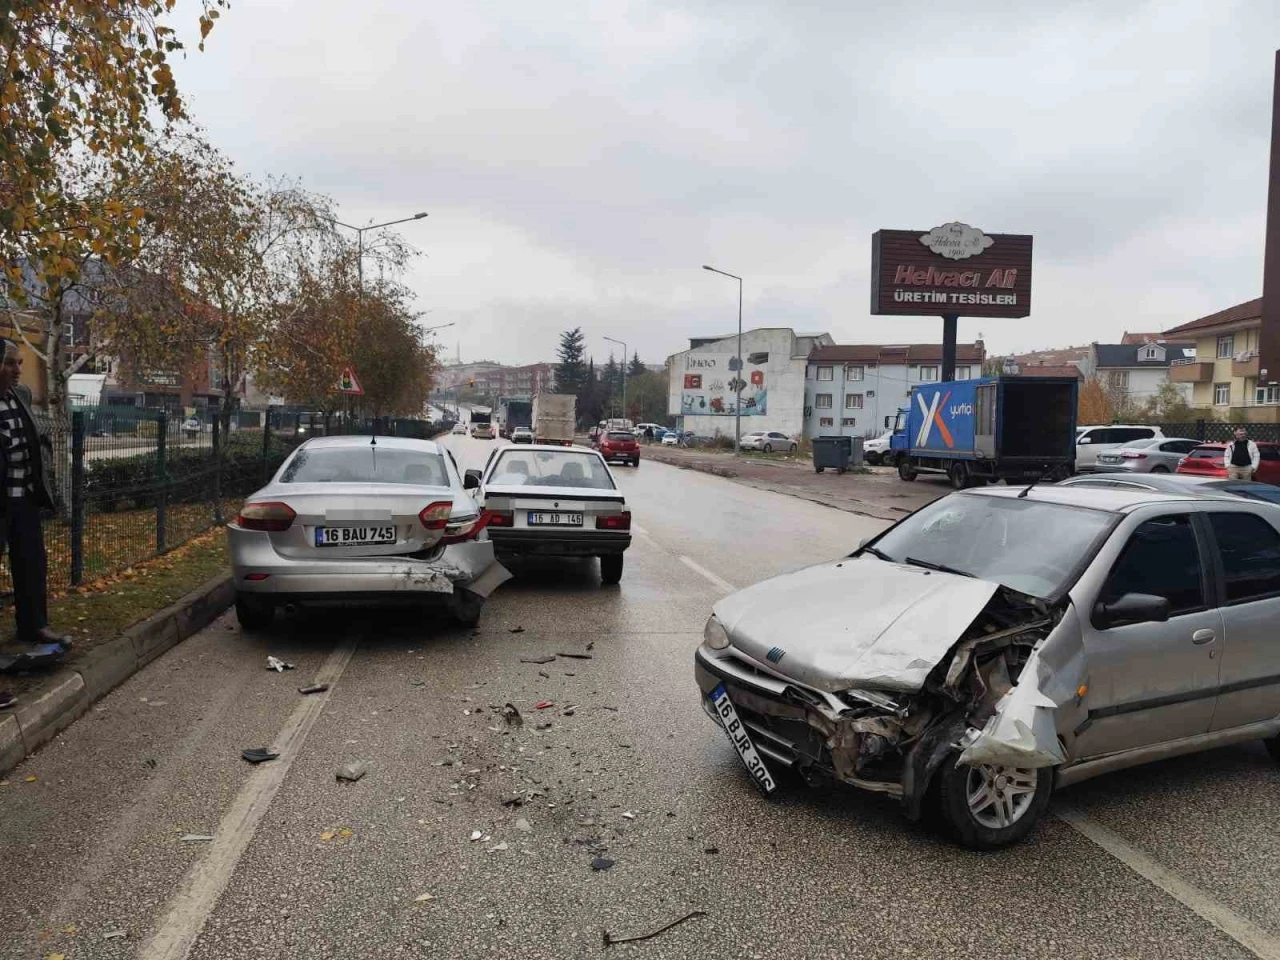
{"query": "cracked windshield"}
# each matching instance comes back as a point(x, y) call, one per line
point(542, 481)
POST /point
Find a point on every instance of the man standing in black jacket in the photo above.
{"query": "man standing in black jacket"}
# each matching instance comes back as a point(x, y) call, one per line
point(24, 461)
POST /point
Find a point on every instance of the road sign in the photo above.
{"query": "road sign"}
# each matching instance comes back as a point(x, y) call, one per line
point(348, 383)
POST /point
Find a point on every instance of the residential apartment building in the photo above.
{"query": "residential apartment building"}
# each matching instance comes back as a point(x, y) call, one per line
point(1223, 373)
point(1135, 371)
point(496, 379)
point(857, 390)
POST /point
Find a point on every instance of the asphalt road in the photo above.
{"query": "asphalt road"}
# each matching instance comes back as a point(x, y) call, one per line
point(628, 768)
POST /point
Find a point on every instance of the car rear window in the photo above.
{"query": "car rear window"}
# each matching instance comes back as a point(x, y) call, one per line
point(551, 468)
point(1205, 453)
point(621, 436)
point(366, 463)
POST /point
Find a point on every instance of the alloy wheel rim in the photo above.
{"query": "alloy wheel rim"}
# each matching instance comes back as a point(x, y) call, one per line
point(1000, 796)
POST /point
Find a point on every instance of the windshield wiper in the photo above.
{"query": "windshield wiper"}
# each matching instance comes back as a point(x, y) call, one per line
point(940, 567)
point(878, 554)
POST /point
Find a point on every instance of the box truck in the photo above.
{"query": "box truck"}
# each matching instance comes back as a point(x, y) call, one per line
point(989, 429)
point(554, 418)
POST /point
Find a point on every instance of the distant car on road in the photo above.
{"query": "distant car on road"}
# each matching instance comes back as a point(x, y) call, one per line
point(522, 435)
point(1206, 461)
point(546, 500)
point(876, 450)
point(482, 431)
point(671, 439)
point(1153, 455)
point(619, 445)
point(345, 520)
point(1008, 641)
point(191, 425)
point(459, 429)
point(1180, 483)
point(768, 441)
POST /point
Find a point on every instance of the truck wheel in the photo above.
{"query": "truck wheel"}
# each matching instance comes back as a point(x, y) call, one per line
point(611, 569)
point(905, 472)
point(959, 474)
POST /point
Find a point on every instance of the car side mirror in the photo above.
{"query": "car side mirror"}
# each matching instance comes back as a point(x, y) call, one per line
point(471, 480)
point(1131, 608)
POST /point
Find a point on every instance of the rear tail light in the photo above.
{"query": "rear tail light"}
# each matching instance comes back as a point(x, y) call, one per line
point(435, 516)
point(1131, 455)
point(500, 518)
point(272, 516)
point(614, 521)
point(467, 529)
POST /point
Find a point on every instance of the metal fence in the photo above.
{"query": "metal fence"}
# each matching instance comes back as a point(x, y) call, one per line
point(1219, 431)
point(131, 484)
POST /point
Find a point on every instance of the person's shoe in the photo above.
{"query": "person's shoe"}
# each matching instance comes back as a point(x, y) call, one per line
point(50, 635)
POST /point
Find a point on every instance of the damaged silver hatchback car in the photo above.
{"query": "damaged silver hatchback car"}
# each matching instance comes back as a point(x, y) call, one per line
point(999, 643)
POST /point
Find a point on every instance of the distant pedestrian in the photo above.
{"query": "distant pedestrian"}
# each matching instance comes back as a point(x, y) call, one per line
point(648, 434)
point(24, 468)
point(1241, 457)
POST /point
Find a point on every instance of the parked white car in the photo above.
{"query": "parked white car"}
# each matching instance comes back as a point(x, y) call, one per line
point(1091, 441)
point(768, 441)
point(876, 450)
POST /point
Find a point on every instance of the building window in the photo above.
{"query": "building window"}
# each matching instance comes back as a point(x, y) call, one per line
point(1226, 347)
point(853, 401)
point(826, 373)
point(849, 422)
point(1268, 394)
point(928, 374)
point(822, 401)
point(1150, 353)
point(853, 373)
point(826, 422)
point(1221, 391)
point(1118, 379)
point(964, 373)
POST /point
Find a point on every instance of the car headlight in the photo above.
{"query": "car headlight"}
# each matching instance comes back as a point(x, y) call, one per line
point(715, 635)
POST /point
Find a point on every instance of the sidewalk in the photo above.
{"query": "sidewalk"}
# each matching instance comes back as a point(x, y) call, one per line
point(877, 493)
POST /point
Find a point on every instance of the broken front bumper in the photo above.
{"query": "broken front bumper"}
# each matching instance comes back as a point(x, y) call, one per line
point(792, 727)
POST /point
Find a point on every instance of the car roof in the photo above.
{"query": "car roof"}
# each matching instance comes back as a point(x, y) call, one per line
point(396, 443)
point(1126, 426)
point(549, 447)
point(1110, 499)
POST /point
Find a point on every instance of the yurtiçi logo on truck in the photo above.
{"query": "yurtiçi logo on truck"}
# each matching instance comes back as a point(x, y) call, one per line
point(933, 417)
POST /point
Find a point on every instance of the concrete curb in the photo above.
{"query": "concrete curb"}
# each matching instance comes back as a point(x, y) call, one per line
point(67, 695)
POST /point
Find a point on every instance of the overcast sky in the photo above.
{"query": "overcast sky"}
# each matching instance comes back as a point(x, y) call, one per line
point(581, 161)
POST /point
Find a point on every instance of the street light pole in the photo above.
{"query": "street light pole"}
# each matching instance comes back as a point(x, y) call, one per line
point(360, 242)
point(737, 409)
point(624, 375)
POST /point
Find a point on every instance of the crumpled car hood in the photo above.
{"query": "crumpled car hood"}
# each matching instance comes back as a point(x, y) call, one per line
point(858, 622)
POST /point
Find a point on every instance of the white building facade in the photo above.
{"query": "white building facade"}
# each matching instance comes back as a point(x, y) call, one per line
point(1136, 371)
point(703, 390)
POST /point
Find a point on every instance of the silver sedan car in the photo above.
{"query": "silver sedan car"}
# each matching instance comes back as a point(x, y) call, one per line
point(1155, 455)
point(360, 519)
point(998, 643)
point(543, 500)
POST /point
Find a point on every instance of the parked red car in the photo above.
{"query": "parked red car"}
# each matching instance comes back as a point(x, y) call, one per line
point(1206, 461)
point(617, 445)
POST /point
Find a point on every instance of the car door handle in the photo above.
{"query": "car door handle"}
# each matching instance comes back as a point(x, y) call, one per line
point(1203, 636)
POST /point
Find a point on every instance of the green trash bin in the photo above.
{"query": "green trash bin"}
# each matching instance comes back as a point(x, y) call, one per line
point(832, 452)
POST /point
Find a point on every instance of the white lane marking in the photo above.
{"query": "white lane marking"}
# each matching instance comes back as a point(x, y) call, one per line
point(189, 908)
point(696, 567)
point(1244, 932)
point(636, 528)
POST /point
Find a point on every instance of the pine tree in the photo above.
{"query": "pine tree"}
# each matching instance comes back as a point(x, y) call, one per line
point(571, 373)
point(635, 368)
point(610, 383)
point(590, 401)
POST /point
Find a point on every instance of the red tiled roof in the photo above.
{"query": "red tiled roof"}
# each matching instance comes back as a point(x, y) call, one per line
point(902, 353)
point(1249, 310)
point(1138, 339)
point(1049, 370)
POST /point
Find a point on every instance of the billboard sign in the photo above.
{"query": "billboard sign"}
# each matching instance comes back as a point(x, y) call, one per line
point(710, 386)
point(953, 269)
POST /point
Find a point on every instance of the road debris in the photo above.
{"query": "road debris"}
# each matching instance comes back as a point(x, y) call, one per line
point(545, 659)
point(628, 815)
point(512, 716)
point(498, 848)
point(423, 898)
point(476, 835)
point(591, 645)
point(710, 849)
point(524, 826)
point(543, 704)
point(574, 656)
point(352, 772)
point(113, 935)
point(278, 665)
point(544, 674)
point(609, 939)
point(601, 863)
point(569, 711)
point(517, 629)
point(195, 838)
point(314, 688)
point(544, 726)
point(258, 754)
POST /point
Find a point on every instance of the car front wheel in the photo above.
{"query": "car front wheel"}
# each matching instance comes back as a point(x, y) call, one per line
point(611, 569)
point(254, 614)
point(988, 806)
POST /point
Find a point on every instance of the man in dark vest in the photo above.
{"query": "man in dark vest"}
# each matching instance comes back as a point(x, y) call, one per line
point(24, 464)
point(1241, 457)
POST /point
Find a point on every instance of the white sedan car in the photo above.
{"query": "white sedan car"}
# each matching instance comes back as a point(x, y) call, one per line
point(348, 520)
point(543, 500)
point(768, 441)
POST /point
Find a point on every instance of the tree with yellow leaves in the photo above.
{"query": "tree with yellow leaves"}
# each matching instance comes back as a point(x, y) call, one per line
point(1093, 406)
